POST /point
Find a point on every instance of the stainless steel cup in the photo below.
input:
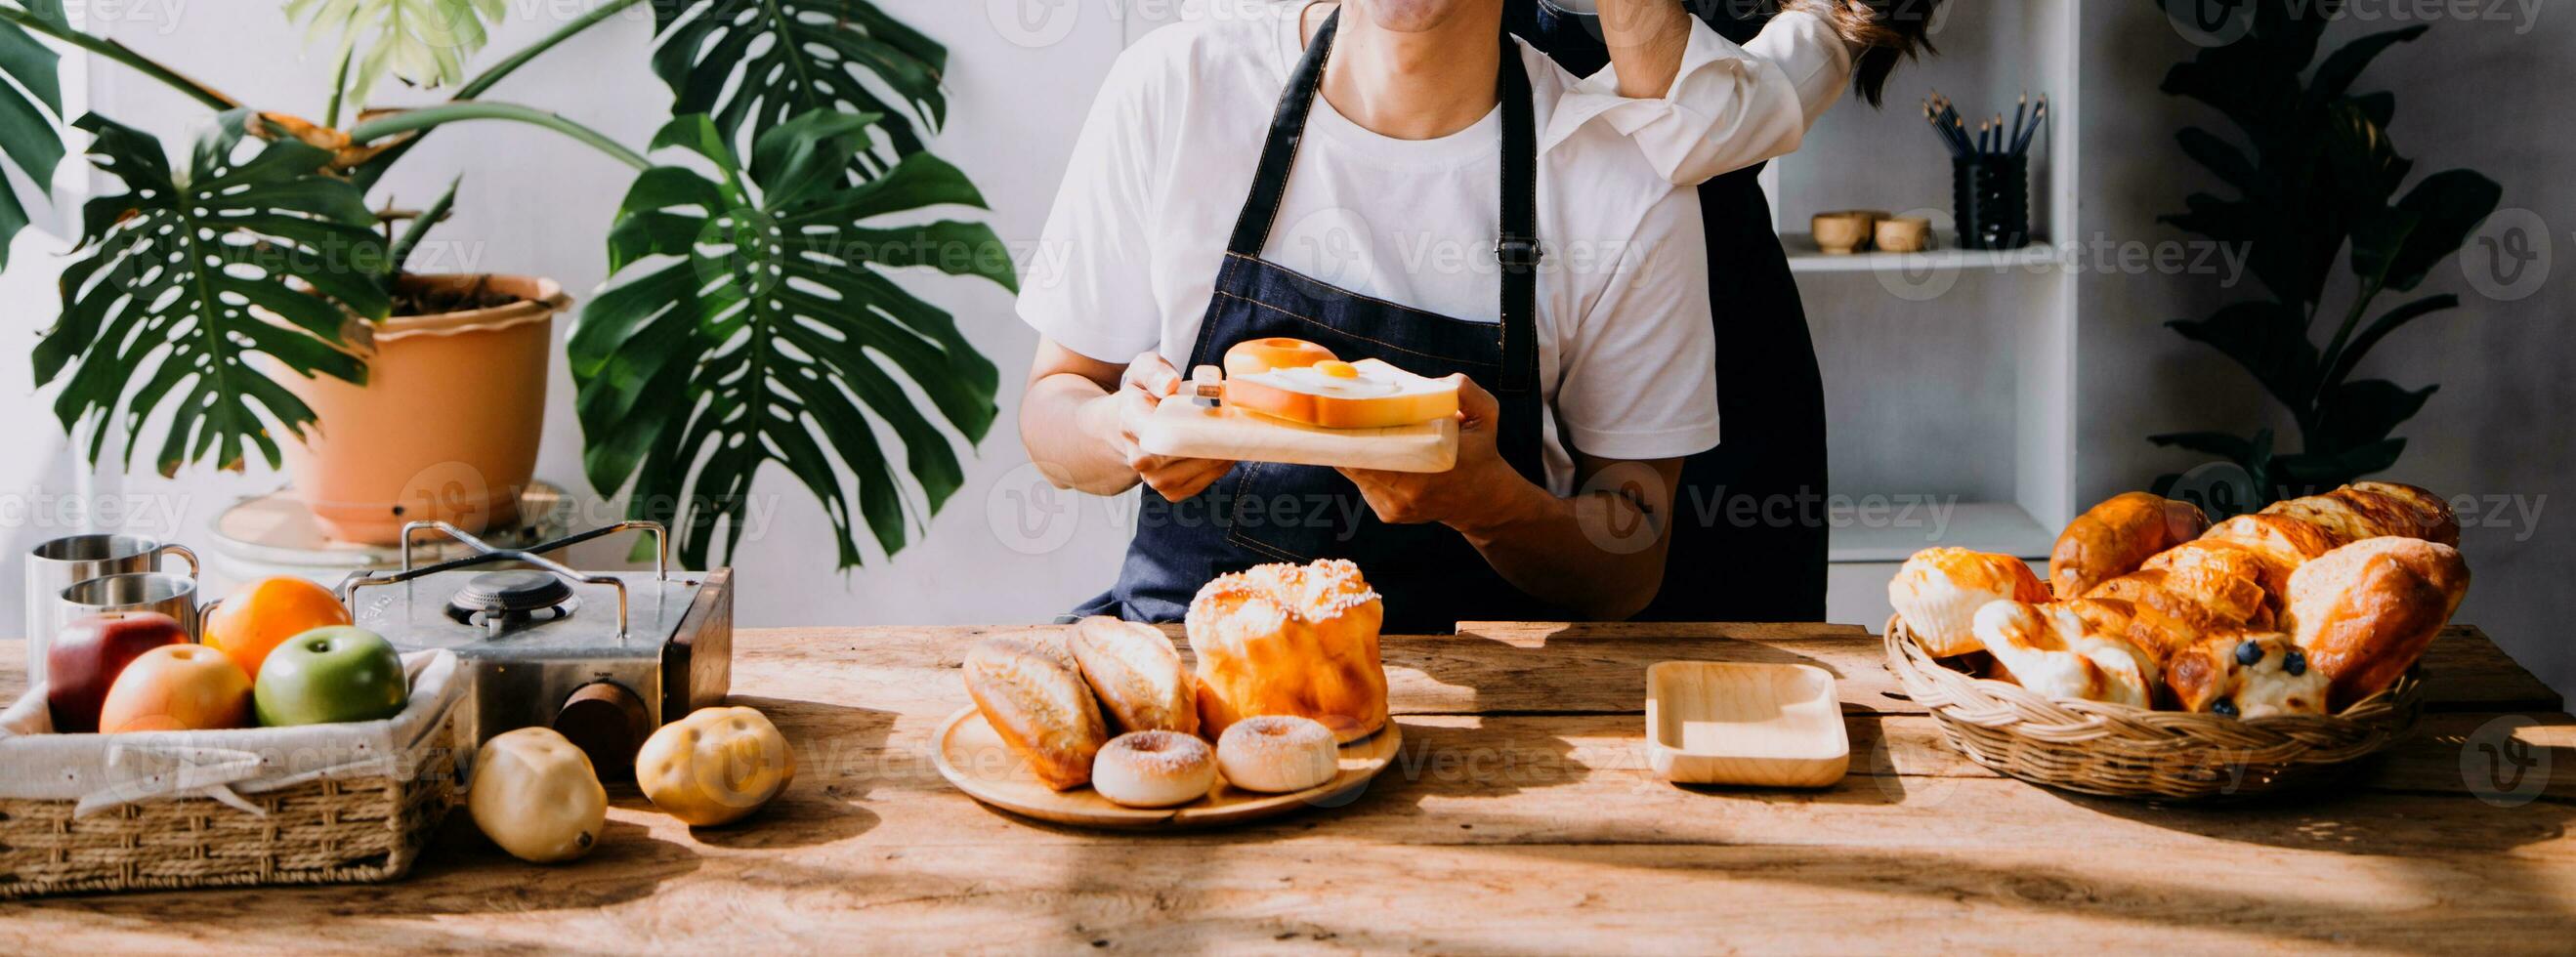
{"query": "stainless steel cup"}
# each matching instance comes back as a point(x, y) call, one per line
point(64, 562)
point(170, 595)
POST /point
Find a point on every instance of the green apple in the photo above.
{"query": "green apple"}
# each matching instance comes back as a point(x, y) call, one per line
point(330, 674)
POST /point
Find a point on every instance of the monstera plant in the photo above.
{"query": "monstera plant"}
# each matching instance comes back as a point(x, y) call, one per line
point(754, 314)
point(2315, 173)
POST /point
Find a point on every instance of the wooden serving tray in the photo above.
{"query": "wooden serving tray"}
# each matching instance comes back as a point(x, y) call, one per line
point(1181, 427)
point(972, 756)
point(1725, 722)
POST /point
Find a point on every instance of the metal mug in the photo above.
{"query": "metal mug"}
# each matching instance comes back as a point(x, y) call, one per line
point(60, 563)
point(133, 591)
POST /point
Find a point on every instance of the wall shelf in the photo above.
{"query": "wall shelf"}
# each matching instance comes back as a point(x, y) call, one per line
point(1805, 257)
point(2000, 527)
point(1949, 374)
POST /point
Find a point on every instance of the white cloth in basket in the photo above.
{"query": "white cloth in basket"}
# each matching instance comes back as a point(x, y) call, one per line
point(103, 771)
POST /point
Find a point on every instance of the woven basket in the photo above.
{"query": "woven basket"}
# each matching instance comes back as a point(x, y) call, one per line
point(334, 828)
point(2122, 751)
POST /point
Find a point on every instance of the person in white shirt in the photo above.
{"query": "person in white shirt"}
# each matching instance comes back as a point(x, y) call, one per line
point(1394, 180)
point(1749, 533)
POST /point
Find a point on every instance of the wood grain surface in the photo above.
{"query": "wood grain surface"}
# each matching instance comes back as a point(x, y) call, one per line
point(1520, 816)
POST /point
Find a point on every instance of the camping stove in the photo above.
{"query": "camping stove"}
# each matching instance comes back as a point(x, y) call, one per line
point(604, 657)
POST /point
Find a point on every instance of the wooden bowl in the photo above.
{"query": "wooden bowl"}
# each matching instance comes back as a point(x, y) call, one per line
point(1902, 234)
point(1727, 722)
point(972, 757)
point(1843, 232)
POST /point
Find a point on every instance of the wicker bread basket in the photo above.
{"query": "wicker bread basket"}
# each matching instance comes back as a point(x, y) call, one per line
point(2123, 751)
point(319, 804)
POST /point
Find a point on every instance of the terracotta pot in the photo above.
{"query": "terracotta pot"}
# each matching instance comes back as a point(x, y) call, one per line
point(446, 426)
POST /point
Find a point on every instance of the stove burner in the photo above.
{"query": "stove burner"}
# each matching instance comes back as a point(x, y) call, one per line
point(498, 599)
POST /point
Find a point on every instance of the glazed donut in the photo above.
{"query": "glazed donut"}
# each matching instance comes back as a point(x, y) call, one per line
point(1253, 356)
point(1278, 753)
point(1153, 769)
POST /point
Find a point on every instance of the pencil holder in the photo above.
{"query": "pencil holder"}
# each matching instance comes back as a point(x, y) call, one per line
point(1990, 195)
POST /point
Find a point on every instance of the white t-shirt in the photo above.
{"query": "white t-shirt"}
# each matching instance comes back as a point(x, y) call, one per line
point(1130, 253)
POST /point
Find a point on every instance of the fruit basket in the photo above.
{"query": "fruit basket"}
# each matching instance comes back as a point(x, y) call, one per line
point(315, 804)
point(2121, 751)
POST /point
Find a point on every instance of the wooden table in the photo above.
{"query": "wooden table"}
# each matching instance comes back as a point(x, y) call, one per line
point(1520, 818)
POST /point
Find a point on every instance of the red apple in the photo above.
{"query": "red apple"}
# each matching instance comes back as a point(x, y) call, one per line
point(89, 653)
point(177, 688)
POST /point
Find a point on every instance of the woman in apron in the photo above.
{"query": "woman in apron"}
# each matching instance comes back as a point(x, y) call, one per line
point(1749, 533)
point(1193, 528)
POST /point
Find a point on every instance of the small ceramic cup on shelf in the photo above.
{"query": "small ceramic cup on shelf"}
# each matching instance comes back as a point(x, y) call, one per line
point(1845, 231)
point(1902, 234)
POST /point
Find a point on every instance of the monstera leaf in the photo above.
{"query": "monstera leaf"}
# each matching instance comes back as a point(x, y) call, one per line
point(188, 273)
point(423, 42)
point(750, 322)
point(756, 63)
point(28, 114)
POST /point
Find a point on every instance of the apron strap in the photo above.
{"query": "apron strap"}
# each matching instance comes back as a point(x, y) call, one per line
point(1517, 249)
point(1279, 151)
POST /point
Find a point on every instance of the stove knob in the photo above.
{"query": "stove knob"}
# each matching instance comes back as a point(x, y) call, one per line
point(607, 722)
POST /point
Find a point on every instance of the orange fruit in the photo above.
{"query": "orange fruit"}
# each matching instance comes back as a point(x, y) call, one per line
point(261, 615)
point(177, 688)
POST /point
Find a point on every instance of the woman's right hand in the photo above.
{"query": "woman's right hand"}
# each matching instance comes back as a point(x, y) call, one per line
point(1146, 383)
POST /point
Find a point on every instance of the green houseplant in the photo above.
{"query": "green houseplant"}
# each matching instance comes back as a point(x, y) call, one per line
point(759, 325)
point(2314, 173)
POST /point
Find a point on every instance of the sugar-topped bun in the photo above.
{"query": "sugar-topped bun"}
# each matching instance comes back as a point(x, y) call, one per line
point(1137, 675)
point(1939, 591)
point(1154, 769)
point(1277, 753)
point(1290, 639)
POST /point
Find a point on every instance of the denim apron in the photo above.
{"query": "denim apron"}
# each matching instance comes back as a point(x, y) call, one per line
point(1429, 575)
point(1768, 563)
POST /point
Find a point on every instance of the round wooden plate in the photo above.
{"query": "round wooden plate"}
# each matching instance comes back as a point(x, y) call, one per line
point(972, 756)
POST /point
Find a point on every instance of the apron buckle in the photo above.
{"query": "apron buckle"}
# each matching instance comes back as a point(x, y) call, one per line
point(1518, 253)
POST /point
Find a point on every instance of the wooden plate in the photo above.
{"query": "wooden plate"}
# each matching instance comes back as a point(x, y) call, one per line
point(972, 756)
point(1732, 722)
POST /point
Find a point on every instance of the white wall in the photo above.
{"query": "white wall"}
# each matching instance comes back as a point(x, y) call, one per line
point(535, 204)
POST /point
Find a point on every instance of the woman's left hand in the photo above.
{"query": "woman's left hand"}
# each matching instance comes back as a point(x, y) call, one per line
point(1478, 490)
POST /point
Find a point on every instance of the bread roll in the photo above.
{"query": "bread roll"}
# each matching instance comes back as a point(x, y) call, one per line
point(2364, 612)
point(1028, 689)
point(1136, 674)
point(2246, 675)
point(2054, 650)
point(2284, 543)
point(2223, 577)
point(2374, 509)
point(1290, 639)
point(1939, 590)
point(2115, 537)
